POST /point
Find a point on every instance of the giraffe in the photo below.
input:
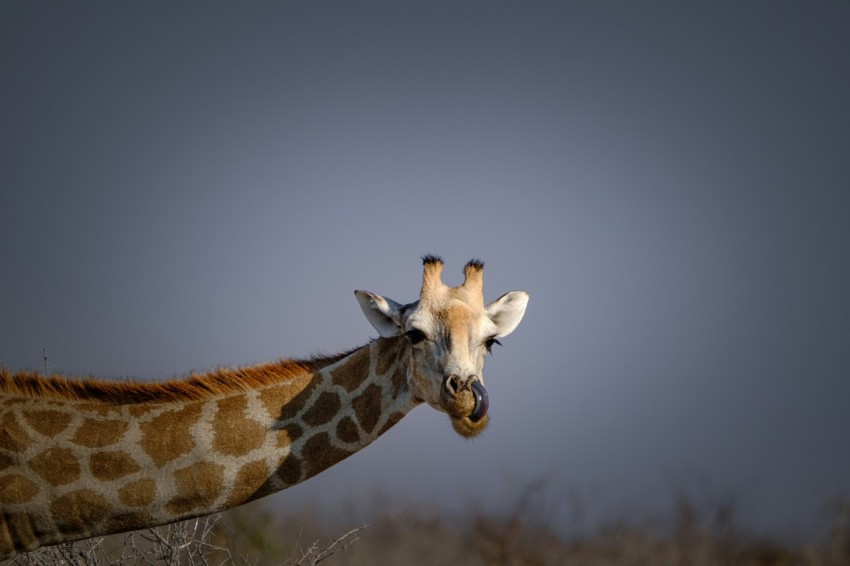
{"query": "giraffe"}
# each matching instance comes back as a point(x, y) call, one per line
point(88, 457)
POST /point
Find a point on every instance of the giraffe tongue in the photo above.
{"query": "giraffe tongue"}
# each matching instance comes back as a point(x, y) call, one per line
point(482, 402)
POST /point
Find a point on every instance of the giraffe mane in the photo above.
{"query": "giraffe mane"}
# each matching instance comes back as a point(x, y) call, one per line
point(193, 387)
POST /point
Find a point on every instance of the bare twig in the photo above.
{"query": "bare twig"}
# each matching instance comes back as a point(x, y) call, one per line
point(313, 555)
point(188, 543)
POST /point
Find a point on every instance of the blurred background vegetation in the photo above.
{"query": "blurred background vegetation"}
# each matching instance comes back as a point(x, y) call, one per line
point(404, 532)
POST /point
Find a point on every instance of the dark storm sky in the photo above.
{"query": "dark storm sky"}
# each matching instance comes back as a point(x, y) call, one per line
point(187, 185)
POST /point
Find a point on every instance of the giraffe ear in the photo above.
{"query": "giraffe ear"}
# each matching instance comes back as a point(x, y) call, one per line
point(507, 311)
point(384, 314)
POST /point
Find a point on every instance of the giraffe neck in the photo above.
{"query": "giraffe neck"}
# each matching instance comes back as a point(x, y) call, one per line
point(75, 468)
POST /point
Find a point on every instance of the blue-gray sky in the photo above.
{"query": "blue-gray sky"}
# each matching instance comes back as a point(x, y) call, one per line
point(190, 185)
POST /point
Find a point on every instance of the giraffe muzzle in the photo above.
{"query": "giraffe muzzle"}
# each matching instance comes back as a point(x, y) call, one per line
point(465, 397)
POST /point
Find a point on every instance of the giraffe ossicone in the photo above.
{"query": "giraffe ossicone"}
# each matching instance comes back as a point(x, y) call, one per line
point(86, 457)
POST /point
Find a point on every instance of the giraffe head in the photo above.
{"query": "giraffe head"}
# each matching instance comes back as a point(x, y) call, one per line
point(450, 330)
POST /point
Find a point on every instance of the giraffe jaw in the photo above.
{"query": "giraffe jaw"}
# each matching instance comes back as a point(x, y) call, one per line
point(468, 428)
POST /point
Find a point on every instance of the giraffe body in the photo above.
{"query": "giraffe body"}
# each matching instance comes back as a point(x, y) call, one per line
point(87, 458)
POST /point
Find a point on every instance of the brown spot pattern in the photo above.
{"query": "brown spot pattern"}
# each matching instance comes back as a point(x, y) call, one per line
point(367, 407)
point(168, 435)
point(97, 433)
point(346, 430)
point(100, 409)
point(12, 436)
point(138, 493)
point(16, 489)
point(399, 382)
point(285, 435)
point(20, 534)
point(76, 512)
point(127, 522)
point(289, 470)
point(352, 373)
point(141, 409)
point(57, 465)
point(5, 462)
point(249, 479)
point(107, 466)
point(323, 410)
point(47, 423)
point(234, 433)
point(391, 422)
point(387, 354)
point(320, 454)
point(198, 486)
point(285, 400)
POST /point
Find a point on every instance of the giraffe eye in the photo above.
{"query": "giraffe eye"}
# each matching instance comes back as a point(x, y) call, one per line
point(415, 335)
point(489, 344)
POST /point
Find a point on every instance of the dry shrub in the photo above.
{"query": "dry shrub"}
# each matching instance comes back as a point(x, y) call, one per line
point(208, 541)
point(418, 535)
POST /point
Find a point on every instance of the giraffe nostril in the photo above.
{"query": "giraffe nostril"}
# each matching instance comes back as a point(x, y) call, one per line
point(452, 384)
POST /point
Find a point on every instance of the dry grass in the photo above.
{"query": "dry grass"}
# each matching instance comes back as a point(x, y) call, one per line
point(187, 542)
point(407, 534)
point(205, 541)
